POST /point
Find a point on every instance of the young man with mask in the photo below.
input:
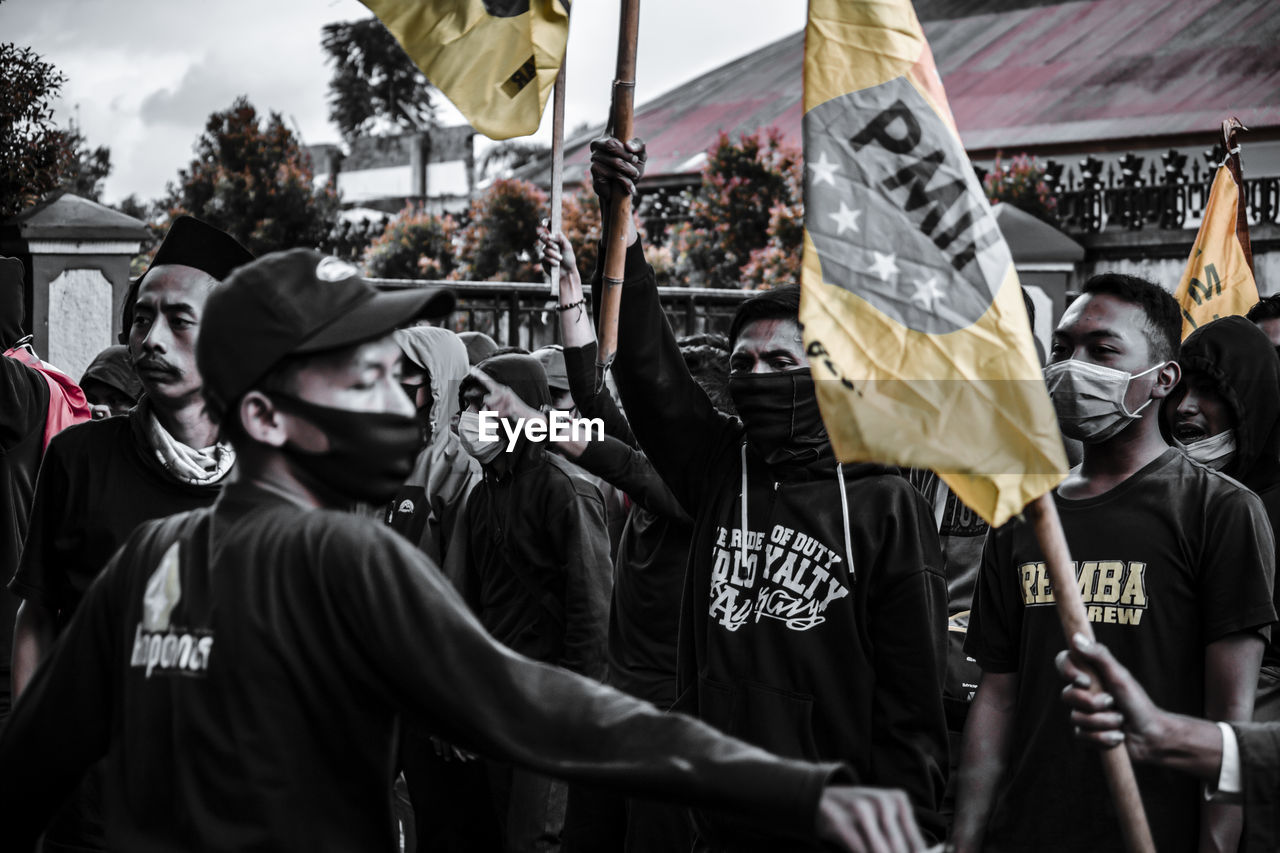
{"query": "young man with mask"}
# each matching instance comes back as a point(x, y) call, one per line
point(536, 574)
point(426, 508)
point(814, 615)
point(1225, 413)
point(243, 667)
point(1175, 563)
point(102, 479)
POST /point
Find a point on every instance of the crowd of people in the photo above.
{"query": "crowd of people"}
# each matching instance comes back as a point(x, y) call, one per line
point(277, 582)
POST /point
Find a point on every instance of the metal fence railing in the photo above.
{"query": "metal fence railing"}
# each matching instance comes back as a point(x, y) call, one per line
point(523, 314)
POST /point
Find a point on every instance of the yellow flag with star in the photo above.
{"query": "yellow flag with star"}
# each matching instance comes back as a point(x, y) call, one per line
point(497, 60)
point(914, 323)
point(1218, 280)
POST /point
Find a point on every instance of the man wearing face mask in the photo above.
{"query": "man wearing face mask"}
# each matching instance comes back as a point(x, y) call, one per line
point(537, 572)
point(1225, 413)
point(814, 615)
point(1175, 564)
point(245, 668)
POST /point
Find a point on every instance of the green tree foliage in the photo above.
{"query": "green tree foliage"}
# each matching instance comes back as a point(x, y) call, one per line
point(749, 200)
point(252, 179)
point(88, 168)
point(375, 87)
point(416, 244)
point(498, 242)
point(34, 153)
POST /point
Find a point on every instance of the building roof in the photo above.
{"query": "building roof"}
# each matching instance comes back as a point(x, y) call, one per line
point(1019, 74)
point(70, 217)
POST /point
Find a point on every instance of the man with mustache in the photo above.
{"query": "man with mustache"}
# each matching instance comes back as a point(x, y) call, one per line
point(102, 479)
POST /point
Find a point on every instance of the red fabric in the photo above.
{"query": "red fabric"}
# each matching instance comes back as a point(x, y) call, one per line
point(67, 404)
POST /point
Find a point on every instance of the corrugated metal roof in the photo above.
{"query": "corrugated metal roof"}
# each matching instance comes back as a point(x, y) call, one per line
point(1019, 75)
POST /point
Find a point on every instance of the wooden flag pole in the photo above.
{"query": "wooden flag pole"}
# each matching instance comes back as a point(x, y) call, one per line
point(621, 127)
point(1229, 128)
point(557, 169)
point(1066, 591)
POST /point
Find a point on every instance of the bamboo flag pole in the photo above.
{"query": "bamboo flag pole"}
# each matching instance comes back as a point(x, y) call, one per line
point(621, 127)
point(557, 169)
point(1229, 129)
point(1066, 591)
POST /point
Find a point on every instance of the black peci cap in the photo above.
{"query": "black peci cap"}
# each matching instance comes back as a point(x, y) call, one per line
point(291, 303)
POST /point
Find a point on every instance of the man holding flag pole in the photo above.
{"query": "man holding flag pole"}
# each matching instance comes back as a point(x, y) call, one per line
point(915, 330)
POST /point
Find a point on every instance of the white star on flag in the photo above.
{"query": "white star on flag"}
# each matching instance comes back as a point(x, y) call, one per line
point(884, 265)
point(927, 292)
point(846, 219)
point(824, 171)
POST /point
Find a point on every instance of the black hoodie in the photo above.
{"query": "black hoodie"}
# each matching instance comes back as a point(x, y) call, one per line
point(829, 641)
point(1240, 362)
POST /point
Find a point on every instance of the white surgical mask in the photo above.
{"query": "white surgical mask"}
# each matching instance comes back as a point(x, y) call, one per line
point(1089, 399)
point(482, 448)
point(1216, 451)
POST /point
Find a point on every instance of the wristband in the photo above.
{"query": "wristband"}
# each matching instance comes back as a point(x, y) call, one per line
point(571, 305)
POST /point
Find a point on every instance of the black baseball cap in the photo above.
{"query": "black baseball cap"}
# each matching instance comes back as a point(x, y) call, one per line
point(292, 303)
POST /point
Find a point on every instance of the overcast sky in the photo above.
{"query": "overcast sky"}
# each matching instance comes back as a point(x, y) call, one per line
point(145, 74)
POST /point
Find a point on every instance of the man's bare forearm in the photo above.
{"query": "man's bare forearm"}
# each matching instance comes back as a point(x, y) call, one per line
point(984, 755)
point(33, 635)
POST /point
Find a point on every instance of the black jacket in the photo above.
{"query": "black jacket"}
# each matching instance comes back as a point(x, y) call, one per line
point(537, 570)
point(796, 650)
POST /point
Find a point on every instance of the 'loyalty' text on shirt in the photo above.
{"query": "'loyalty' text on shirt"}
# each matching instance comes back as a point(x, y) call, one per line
point(1114, 591)
point(800, 577)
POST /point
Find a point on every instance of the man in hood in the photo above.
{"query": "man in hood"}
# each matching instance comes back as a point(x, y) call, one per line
point(1225, 413)
point(814, 614)
point(1175, 564)
point(425, 509)
point(537, 569)
point(448, 793)
point(109, 383)
point(244, 668)
point(101, 479)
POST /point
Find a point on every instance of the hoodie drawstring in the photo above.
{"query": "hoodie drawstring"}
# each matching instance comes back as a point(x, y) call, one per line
point(844, 506)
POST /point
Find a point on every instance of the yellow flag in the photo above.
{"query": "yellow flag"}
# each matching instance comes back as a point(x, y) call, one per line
point(913, 318)
point(495, 59)
point(1217, 281)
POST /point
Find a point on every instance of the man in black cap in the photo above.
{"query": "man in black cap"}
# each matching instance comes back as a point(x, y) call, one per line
point(243, 667)
point(102, 479)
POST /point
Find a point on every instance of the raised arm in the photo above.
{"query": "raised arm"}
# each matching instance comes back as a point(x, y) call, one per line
point(676, 425)
point(579, 339)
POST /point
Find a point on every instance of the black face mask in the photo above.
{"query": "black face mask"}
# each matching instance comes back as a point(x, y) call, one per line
point(370, 454)
point(780, 413)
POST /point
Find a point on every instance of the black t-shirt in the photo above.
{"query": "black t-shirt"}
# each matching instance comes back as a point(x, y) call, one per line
point(243, 668)
point(97, 483)
point(1172, 559)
